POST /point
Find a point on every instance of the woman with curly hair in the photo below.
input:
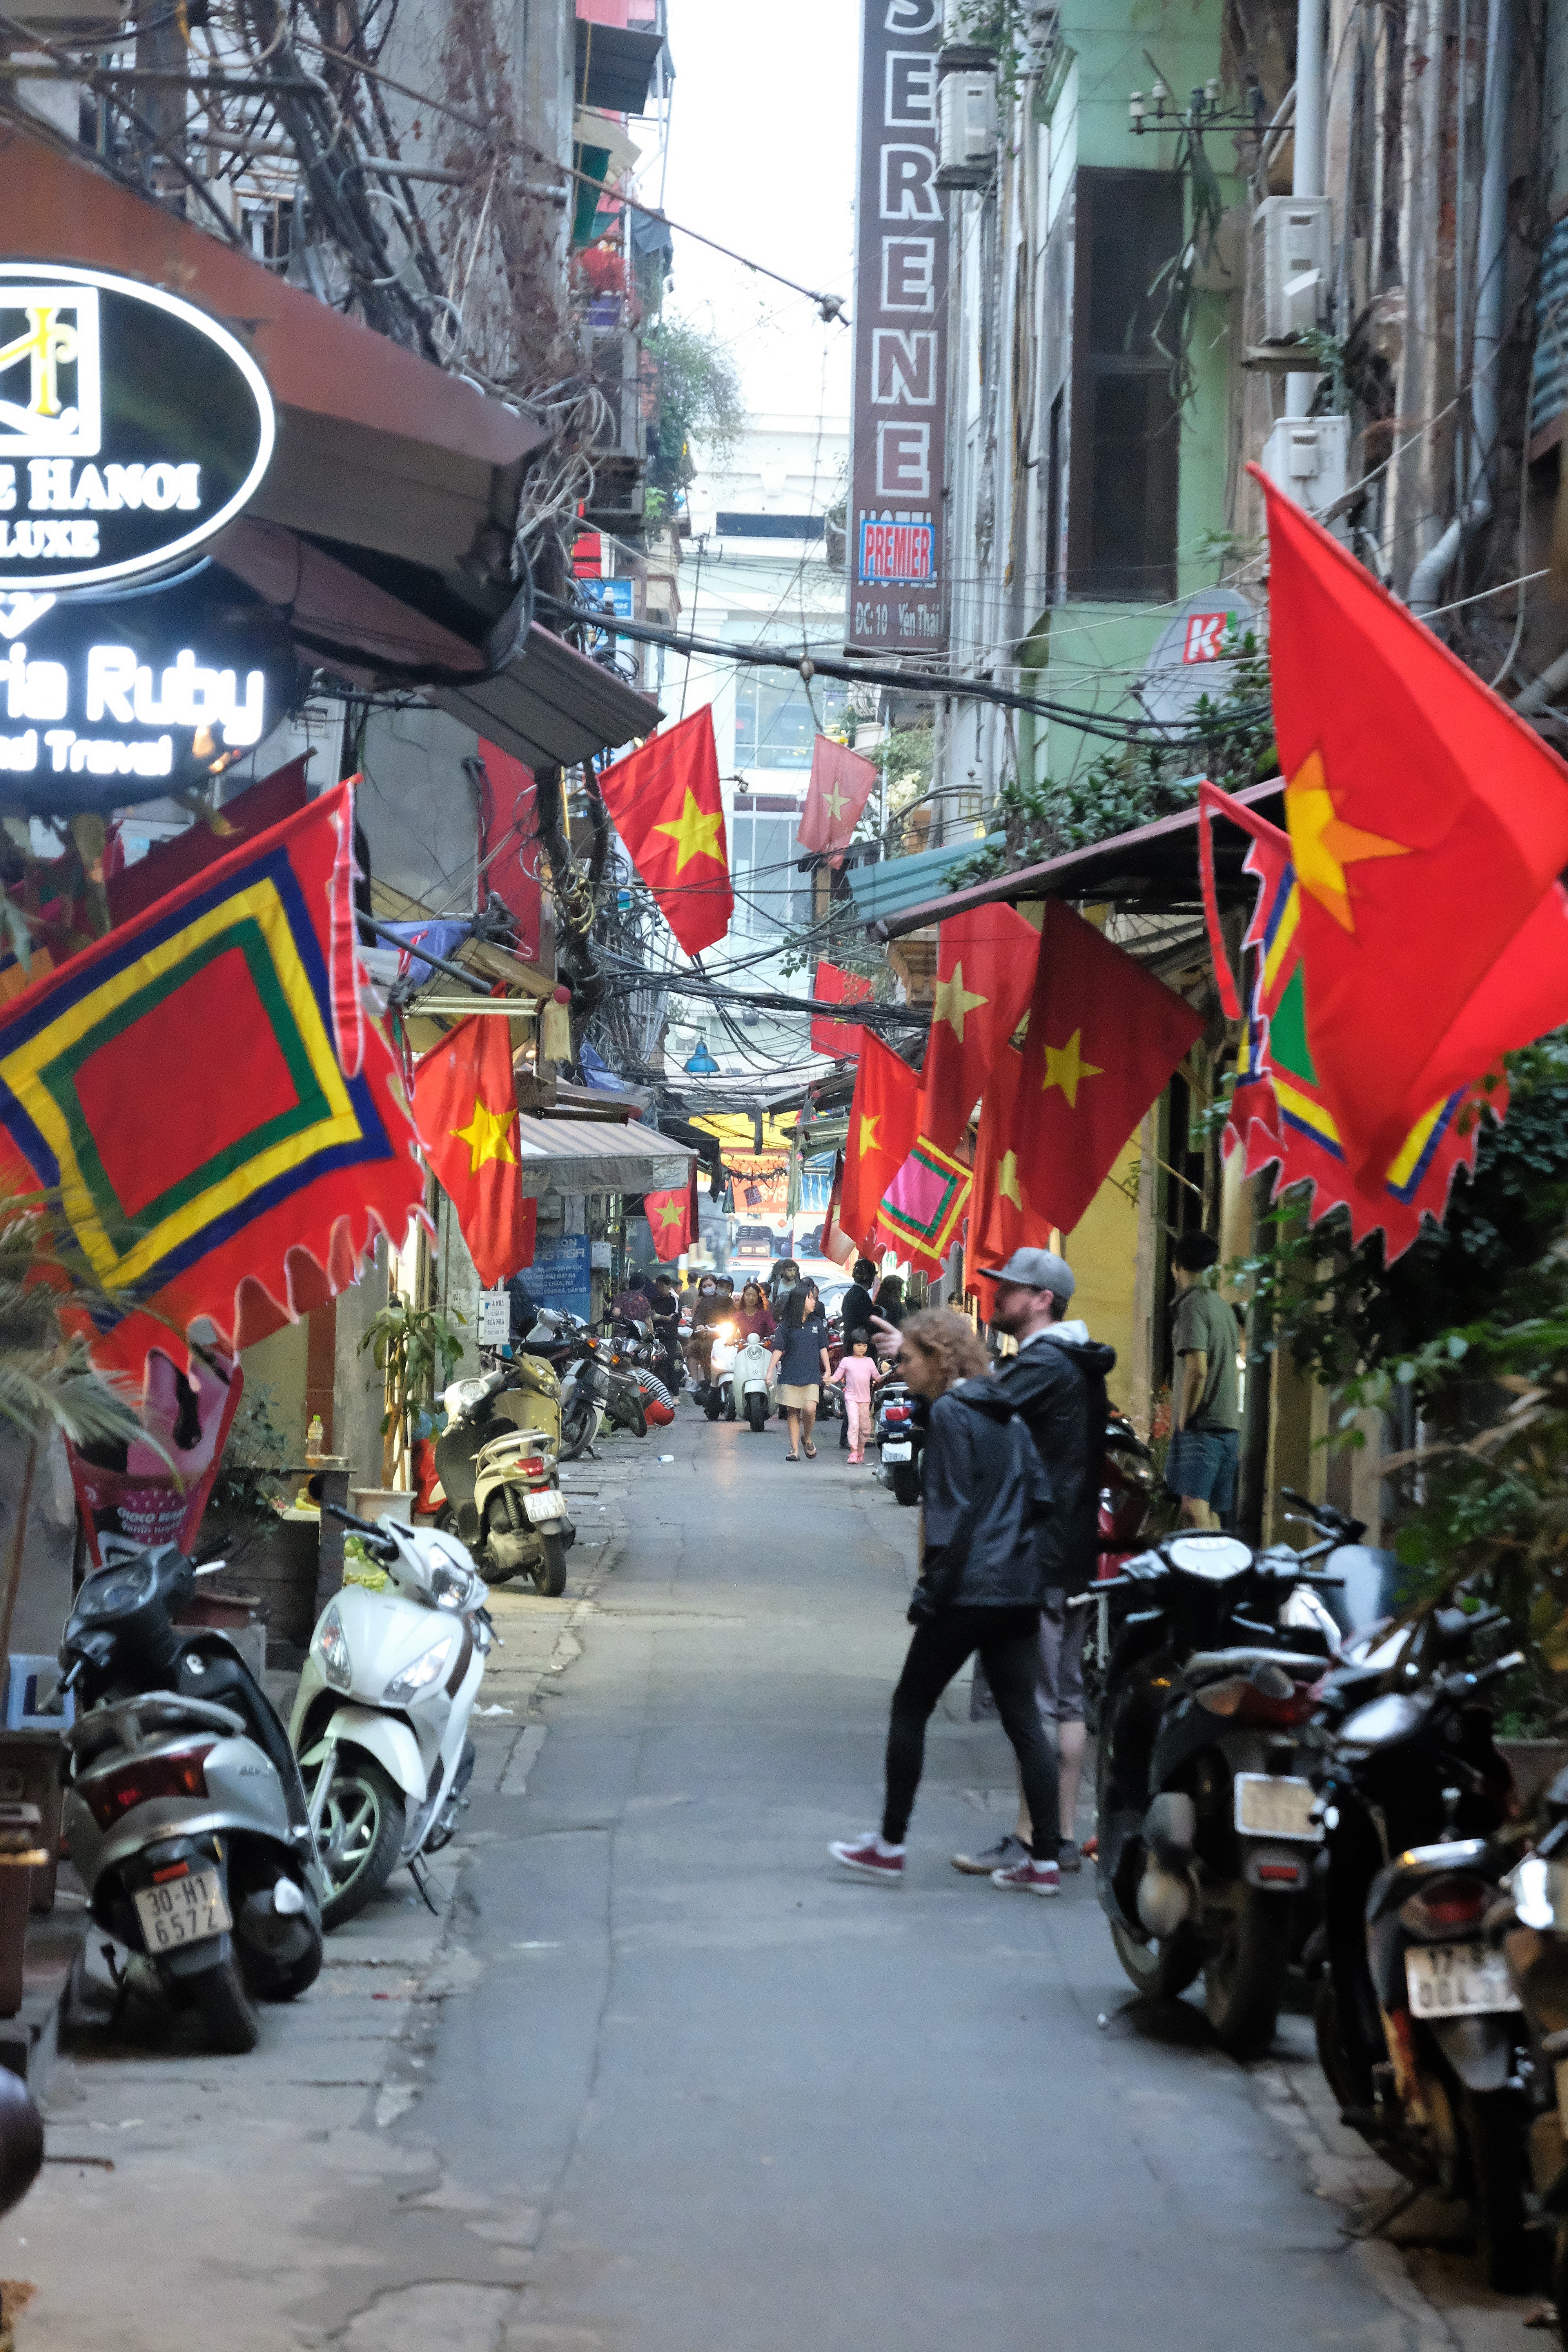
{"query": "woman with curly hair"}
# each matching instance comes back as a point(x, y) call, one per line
point(983, 1494)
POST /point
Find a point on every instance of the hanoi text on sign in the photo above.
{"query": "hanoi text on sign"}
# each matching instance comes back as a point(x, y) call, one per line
point(132, 428)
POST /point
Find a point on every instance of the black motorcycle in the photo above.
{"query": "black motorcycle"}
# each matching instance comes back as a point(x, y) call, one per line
point(1206, 1826)
point(1529, 1926)
point(1419, 2025)
point(899, 1429)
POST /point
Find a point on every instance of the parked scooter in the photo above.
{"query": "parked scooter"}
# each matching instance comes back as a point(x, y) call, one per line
point(898, 1431)
point(499, 1488)
point(1528, 1926)
point(184, 1812)
point(1419, 2027)
point(1207, 1823)
point(381, 1718)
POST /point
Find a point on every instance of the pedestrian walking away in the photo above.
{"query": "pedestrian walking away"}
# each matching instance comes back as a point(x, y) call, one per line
point(855, 1373)
point(1056, 1384)
point(1205, 1419)
point(799, 1362)
point(979, 1588)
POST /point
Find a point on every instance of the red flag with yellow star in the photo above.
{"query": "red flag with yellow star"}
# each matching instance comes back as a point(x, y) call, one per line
point(1002, 1216)
point(672, 1220)
point(984, 977)
point(1428, 825)
point(465, 1107)
point(884, 1121)
point(667, 809)
point(1104, 1038)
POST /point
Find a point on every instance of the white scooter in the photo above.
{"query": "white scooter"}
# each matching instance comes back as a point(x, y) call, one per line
point(380, 1722)
point(749, 1381)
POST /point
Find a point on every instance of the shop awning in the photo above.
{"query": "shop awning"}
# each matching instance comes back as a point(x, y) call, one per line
point(615, 66)
point(1153, 870)
point(551, 705)
point(392, 468)
point(571, 1155)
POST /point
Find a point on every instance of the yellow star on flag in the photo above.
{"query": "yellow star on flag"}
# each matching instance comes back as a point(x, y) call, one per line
point(670, 1214)
point(869, 1122)
point(1065, 1067)
point(694, 833)
point(486, 1136)
point(1323, 845)
point(1007, 1186)
point(834, 803)
point(952, 1000)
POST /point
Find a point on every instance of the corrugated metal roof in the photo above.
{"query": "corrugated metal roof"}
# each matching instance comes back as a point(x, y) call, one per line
point(1549, 368)
point(881, 891)
point(552, 707)
point(587, 1155)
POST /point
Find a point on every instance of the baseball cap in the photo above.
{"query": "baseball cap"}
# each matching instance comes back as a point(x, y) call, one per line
point(1038, 1269)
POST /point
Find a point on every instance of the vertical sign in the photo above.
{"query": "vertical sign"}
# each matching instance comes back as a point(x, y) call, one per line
point(895, 536)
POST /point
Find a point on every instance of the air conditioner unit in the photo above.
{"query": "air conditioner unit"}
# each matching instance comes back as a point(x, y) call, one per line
point(966, 124)
point(1291, 257)
point(1308, 458)
point(616, 365)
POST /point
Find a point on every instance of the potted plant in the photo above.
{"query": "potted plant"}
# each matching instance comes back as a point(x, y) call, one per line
point(414, 1349)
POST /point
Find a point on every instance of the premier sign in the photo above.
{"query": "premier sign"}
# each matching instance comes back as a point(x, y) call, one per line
point(894, 541)
point(132, 428)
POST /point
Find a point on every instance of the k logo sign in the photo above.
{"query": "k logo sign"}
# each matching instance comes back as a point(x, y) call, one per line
point(132, 428)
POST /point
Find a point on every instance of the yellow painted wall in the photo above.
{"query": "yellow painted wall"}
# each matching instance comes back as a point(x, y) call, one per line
point(279, 1364)
point(1103, 1251)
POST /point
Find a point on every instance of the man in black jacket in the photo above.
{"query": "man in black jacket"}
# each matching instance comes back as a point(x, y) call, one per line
point(1056, 1383)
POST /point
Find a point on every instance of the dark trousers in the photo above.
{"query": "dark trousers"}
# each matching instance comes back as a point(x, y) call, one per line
point(1008, 1640)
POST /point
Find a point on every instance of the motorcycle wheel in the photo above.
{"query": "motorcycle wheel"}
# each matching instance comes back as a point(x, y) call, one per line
point(712, 1404)
point(1494, 2138)
point(756, 1413)
point(1242, 1980)
point(906, 1482)
point(360, 1836)
point(231, 2018)
point(1160, 1971)
point(577, 1433)
point(637, 1421)
point(550, 1573)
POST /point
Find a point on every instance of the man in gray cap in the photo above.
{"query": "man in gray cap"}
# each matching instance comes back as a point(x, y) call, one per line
point(1056, 1385)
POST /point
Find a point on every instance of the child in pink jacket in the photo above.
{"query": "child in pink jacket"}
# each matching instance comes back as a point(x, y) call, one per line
point(855, 1375)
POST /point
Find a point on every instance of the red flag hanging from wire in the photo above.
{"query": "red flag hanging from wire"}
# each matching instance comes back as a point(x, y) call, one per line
point(664, 802)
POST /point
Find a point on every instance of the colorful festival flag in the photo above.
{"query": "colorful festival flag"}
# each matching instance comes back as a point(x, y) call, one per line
point(1104, 1038)
point(1279, 1116)
point(667, 806)
point(1428, 825)
point(884, 1121)
point(841, 784)
point(923, 1206)
point(831, 986)
point(985, 978)
point(465, 1107)
point(1002, 1216)
point(183, 1082)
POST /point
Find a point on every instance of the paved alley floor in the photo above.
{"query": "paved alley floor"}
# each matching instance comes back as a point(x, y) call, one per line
point(662, 2080)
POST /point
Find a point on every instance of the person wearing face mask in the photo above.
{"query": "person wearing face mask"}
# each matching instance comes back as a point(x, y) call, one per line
point(704, 1315)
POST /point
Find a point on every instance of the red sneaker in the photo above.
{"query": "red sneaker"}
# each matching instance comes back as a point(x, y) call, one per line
point(867, 1859)
point(1029, 1877)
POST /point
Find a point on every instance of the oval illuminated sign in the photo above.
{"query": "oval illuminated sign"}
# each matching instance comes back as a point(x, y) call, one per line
point(132, 428)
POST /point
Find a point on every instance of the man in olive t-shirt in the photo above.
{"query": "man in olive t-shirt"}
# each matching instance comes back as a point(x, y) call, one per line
point(1205, 1419)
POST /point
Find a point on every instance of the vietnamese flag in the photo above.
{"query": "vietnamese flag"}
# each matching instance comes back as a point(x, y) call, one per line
point(884, 1121)
point(668, 808)
point(1428, 825)
point(1104, 1038)
point(985, 978)
point(840, 786)
point(1002, 1216)
point(670, 1221)
point(465, 1107)
point(831, 986)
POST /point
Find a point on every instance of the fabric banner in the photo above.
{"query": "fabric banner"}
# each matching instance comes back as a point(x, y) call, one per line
point(884, 1123)
point(985, 963)
point(465, 1107)
point(1002, 1214)
point(664, 802)
point(842, 782)
point(180, 1084)
point(923, 1206)
point(669, 1221)
point(831, 986)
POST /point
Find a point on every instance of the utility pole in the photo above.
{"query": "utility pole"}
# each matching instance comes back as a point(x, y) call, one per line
point(162, 44)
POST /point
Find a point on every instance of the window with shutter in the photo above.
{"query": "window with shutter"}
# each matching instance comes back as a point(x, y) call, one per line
point(1122, 475)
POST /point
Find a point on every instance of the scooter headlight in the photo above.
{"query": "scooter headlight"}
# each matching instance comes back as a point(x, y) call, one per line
point(416, 1680)
point(449, 1588)
point(332, 1646)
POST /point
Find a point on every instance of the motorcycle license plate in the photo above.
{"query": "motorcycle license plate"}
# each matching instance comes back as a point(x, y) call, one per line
point(183, 1911)
point(1273, 1804)
point(1457, 1981)
point(546, 1504)
point(897, 1449)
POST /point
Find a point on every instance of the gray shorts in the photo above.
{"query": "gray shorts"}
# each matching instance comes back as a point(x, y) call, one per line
point(1058, 1684)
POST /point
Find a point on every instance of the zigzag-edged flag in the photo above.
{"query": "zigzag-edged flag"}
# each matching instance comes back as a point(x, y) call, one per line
point(924, 1204)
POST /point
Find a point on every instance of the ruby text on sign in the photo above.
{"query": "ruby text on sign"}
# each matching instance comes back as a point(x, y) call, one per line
point(901, 369)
